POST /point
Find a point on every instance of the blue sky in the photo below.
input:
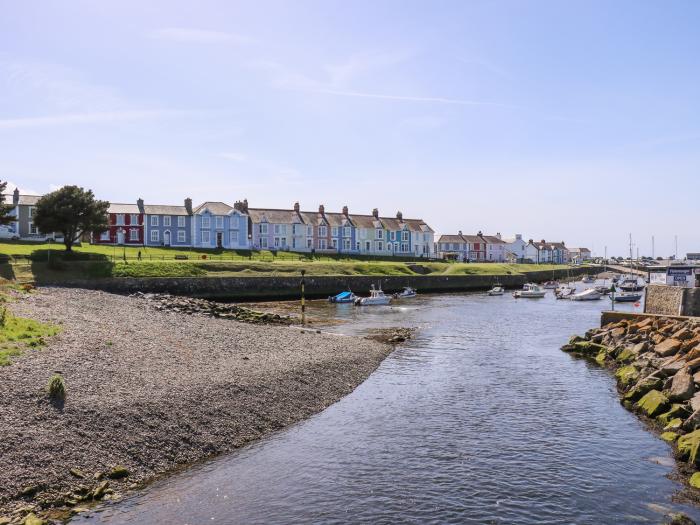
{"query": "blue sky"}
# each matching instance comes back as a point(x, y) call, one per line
point(574, 120)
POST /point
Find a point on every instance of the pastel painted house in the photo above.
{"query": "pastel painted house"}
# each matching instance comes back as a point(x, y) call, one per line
point(167, 225)
point(125, 226)
point(218, 225)
point(515, 249)
point(547, 252)
point(496, 248)
point(22, 227)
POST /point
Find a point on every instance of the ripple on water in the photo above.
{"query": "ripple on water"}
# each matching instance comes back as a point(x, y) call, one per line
point(480, 419)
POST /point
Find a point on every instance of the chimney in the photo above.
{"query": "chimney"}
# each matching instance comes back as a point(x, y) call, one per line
point(188, 205)
point(498, 235)
point(241, 206)
point(542, 241)
point(245, 205)
point(321, 210)
point(530, 241)
point(479, 233)
point(399, 216)
point(375, 212)
point(15, 197)
point(345, 211)
point(296, 207)
point(139, 203)
point(459, 232)
point(518, 236)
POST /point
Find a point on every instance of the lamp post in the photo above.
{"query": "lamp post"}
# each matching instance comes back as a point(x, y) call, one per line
point(303, 302)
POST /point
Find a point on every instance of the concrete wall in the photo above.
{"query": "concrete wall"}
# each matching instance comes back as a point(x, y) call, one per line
point(244, 288)
point(666, 300)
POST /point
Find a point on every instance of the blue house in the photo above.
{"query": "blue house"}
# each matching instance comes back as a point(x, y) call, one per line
point(218, 225)
point(167, 225)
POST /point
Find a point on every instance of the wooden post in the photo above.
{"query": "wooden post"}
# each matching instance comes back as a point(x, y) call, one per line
point(303, 302)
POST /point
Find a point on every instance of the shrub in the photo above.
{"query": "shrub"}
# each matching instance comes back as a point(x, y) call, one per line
point(57, 388)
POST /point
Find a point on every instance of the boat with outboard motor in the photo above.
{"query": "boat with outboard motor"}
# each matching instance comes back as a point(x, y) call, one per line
point(589, 294)
point(631, 284)
point(530, 291)
point(406, 293)
point(343, 297)
point(551, 285)
point(497, 290)
point(376, 298)
point(626, 297)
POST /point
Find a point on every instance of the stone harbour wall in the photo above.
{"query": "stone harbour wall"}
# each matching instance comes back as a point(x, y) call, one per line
point(672, 300)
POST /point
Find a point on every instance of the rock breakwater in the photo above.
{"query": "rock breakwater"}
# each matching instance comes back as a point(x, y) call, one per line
point(656, 361)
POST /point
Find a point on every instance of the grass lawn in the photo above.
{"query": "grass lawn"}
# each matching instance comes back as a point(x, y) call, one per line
point(17, 334)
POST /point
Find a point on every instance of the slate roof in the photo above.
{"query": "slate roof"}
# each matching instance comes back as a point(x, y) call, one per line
point(272, 215)
point(161, 209)
point(549, 245)
point(214, 207)
point(451, 238)
point(492, 239)
point(123, 208)
point(26, 200)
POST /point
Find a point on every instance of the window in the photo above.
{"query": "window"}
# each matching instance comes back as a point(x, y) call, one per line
point(334, 231)
point(206, 222)
point(133, 234)
point(181, 235)
point(154, 235)
point(322, 231)
point(233, 237)
point(166, 220)
point(346, 231)
point(181, 221)
point(379, 245)
point(276, 228)
point(219, 222)
point(334, 242)
point(309, 231)
point(357, 246)
point(134, 219)
point(363, 233)
point(404, 247)
point(154, 220)
point(391, 236)
point(33, 229)
point(31, 211)
point(234, 223)
point(294, 242)
point(368, 246)
point(263, 242)
point(277, 242)
point(283, 242)
point(346, 244)
point(404, 235)
point(120, 219)
point(322, 244)
point(309, 242)
point(206, 237)
point(104, 236)
point(295, 229)
point(263, 228)
point(388, 246)
point(380, 234)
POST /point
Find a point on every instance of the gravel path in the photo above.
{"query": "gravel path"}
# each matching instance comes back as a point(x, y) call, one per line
point(153, 390)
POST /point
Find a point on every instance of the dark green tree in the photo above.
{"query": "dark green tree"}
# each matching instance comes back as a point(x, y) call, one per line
point(5, 209)
point(71, 211)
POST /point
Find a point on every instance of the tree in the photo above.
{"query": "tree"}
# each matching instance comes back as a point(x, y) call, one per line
point(71, 210)
point(5, 209)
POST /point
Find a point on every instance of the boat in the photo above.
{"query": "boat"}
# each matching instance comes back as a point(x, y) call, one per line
point(564, 292)
point(587, 279)
point(496, 290)
point(343, 297)
point(530, 291)
point(406, 293)
point(550, 285)
point(602, 289)
point(376, 297)
point(589, 294)
point(631, 284)
point(626, 297)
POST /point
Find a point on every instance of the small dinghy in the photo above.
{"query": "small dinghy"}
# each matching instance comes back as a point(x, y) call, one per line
point(530, 291)
point(626, 297)
point(343, 297)
point(406, 293)
point(497, 290)
point(376, 298)
point(591, 294)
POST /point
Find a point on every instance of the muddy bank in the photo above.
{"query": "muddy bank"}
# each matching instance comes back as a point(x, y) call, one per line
point(656, 361)
point(150, 390)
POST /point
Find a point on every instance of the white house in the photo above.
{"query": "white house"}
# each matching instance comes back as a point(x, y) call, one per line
point(515, 248)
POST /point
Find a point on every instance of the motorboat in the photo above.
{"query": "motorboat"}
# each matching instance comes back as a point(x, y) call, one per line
point(406, 293)
point(376, 298)
point(590, 294)
point(530, 291)
point(602, 289)
point(565, 292)
point(626, 297)
point(550, 285)
point(497, 290)
point(343, 297)
point(587, 279)
point(631, 284)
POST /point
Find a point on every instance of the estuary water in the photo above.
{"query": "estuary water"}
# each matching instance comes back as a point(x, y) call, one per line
point(481, 418)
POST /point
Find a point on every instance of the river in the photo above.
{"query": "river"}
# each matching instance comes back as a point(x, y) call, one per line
point(479, 419)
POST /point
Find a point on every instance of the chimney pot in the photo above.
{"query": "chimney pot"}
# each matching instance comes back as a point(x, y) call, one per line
point(188, 205)
point(296, 207)
point(322, 209)
point(375, 212)
point(15, 196)
point(345, 211)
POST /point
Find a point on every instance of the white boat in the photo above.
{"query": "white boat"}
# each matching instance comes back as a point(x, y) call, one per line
point(626, 297)
point(590, 294)
point(587, 279)
point(497, 290)
point(631, 284)
point(550, 285)
point(565, 292)
point(406, 293)
point(530, 291)
point(376, 297)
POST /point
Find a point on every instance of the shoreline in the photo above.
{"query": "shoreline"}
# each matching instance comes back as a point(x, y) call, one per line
point(150, 392)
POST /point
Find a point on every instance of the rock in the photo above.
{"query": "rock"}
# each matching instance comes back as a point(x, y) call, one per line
point(99, 491)
point(694, 364)
point(683, 334)
point(682, 387)
point(118, 472)
point(617, 333)
point(626, 355)
point(693, 354)
point(653, 403)
point(643, 324)
point(671, 366)
point(575, 339)
point(30, 491)
point(601, 357)
point(694, 480)
point(667, 348)
point(640, 348)
point(642, 387)
point(695, 402)
point(77, 473)
point(678, 518)
point(32, 519)
point(669, 437)
point(689, 445)
point(78, 510)
point(674, 424)
point(589, 349)
point(692, 422)
point(4, 520)
point(677, 410)
point(696, 378)
point(627, 375)
point(657, 338)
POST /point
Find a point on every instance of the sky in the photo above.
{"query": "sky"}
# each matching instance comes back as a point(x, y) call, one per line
point(575, 121)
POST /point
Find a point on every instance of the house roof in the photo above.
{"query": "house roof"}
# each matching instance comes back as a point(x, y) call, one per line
point(161, 209)
point(579, 250)
point(473, 238)
point(26, 200)
point(492, 239)
point(272, 215)
point(451, 238)
point(123, 208)
point(547, 244)
point(214, 207)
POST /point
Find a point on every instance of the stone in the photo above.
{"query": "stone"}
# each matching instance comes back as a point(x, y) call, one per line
point(682, 387)
point(626, 355)
point(696, 378)
point(670, 437)
point(683, 334)
point(4, 520)
point(689, 446)
point(627, 375)
point(32, 519)
point(695, 402)
point(617, 333)
point(693, 354)
point(99, 491)
point(677, 410)
point(694, 364)
point(642, 387)
point(667, 348)
point(30, 491)
point(694, 480)
point(643, 324)
point(118, 472)
point(600, 358)
point(640, 348)
point(575, 339)
point(674, 424)
point(671, 366)
point(78, 510)
point(678, 518)
point(588, 348)
point(692, 422)
point(657, 338)
point(77, 473)
point(653, 403)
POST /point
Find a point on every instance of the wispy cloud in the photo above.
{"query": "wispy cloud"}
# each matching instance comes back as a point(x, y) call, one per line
point(198, 36)
point(237, 157)
point(409, 98)
point(87, 118)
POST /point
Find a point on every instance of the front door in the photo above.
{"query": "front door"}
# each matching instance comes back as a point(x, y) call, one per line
point(120, 237)
point(219, 239)
point(166, 238)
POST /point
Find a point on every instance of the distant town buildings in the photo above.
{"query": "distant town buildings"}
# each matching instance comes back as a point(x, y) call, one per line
point(579, 255)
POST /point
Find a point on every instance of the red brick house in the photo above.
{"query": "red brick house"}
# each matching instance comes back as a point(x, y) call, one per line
point(125, 226)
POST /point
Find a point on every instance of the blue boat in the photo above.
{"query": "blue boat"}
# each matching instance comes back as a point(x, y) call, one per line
point(343, 297)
